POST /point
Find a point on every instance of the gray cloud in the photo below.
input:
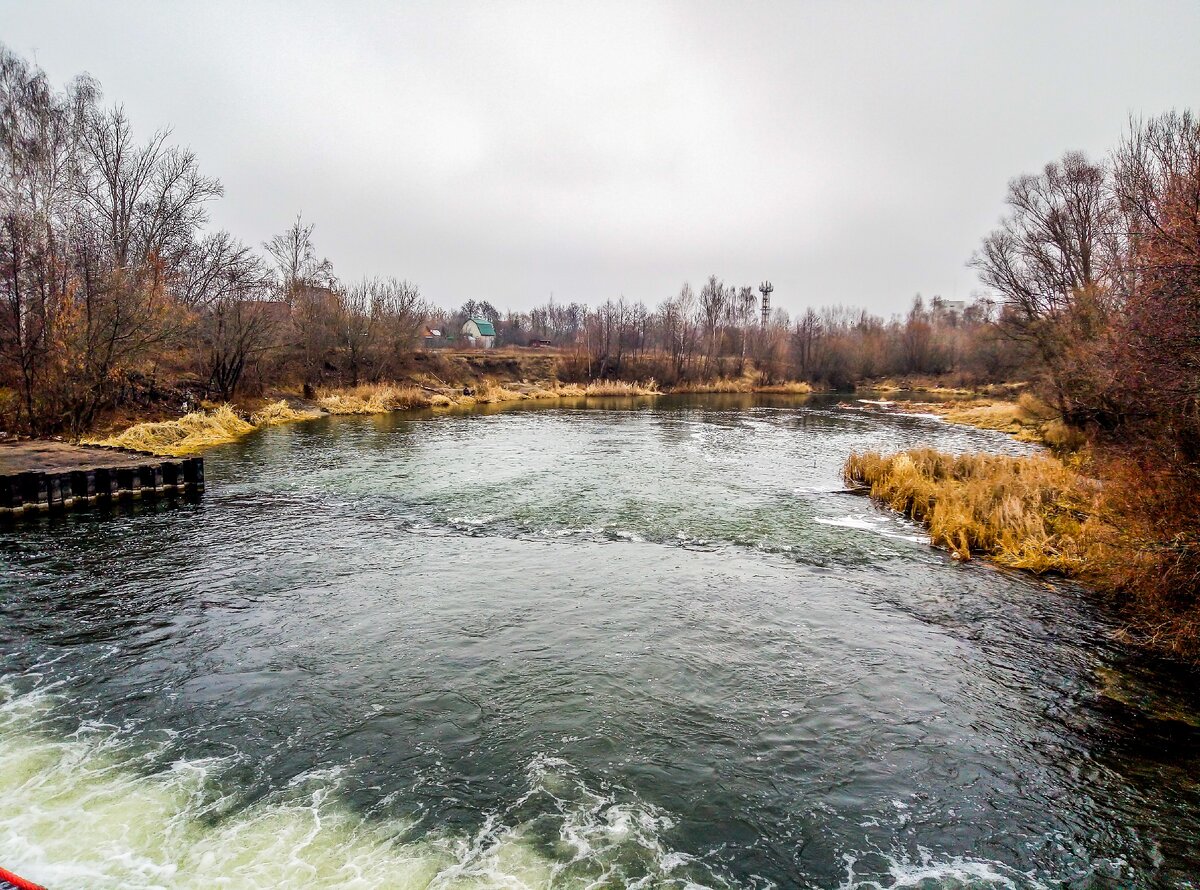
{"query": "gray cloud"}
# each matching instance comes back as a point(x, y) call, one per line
point(850, 152)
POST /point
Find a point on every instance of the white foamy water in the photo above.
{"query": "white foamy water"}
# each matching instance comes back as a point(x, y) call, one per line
point(859, 522)
point(957, 873)
point(878, 524)
point(82, 811)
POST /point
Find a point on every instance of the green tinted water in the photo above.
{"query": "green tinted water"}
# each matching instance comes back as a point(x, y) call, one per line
point(655, 644)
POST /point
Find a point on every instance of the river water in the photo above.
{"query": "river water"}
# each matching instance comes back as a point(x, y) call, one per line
point(653, 643)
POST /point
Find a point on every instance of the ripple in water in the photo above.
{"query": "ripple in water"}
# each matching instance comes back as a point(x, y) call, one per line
point(652, 647)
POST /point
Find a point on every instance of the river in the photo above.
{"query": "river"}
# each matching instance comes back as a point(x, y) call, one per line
point(652, 643)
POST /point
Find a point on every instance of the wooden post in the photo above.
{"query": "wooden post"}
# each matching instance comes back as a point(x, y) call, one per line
point(151, 478)
point(10, 493)
point(193, 473)
point(83, 486)
point(34, 494)
point(57, 491)
point(126, 479)
point(106, 483)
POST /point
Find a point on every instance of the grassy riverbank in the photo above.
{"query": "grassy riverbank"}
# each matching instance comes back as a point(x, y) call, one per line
point(1024, 512)
point(1096, 519)
point(217, 425)
point(1026, 418)
point(202, 429)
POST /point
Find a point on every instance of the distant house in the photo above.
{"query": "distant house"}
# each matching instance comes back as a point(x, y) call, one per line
point(539, 343)
point(433, 339)
point(479, 332)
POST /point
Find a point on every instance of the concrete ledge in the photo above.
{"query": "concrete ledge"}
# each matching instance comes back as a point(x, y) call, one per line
point(46, 477)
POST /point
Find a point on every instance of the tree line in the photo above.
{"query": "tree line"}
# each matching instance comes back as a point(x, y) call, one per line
point(718, 332)
point(1097, 267)
point(113, 290)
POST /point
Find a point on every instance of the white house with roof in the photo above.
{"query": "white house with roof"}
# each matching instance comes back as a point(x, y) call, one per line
point(479, 332)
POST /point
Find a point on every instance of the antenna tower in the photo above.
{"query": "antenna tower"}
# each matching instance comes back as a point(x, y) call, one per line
point(766, 289)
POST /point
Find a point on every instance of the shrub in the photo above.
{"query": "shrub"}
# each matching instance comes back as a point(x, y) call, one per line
point(187, 435)
point(373, 399)
point(1026, 512)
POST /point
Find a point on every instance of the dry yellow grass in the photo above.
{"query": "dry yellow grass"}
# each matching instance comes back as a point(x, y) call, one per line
point(489, 391)
point(1131, 535)
point(620, 388)
point(792, 387)
point(743, 384)
point(1007, 417)
point(1026, 512)
point(720, 385)
point(1028, 419)
point(187, 435)
point(281, 412)
point(373, 399)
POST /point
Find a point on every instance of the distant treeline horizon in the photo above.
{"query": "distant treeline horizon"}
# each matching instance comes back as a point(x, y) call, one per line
point(112, 284)
point(113, 287)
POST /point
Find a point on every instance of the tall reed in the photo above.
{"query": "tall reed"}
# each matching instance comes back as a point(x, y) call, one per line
point(1026, 512)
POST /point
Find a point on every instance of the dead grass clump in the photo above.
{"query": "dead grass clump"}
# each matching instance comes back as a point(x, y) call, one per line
point(281, 412)
point(1062, 438)
point(373, 399)
point(744, 384)
point(791, 388)
point(489, 391)
point(187, 435)
point(721, 384)
point(1027, 512)
point(1007, 417)
point(621, 388)
point(1034, 410)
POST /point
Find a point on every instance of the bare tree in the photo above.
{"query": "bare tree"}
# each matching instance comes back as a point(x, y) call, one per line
point(714, 297)
point(236, 321)
point(805, 339)
point(1047, 261)
point(296, 262)
point(743, 313)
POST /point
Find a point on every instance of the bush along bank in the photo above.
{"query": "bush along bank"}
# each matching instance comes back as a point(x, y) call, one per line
point(198, 430)
point(1041, 514)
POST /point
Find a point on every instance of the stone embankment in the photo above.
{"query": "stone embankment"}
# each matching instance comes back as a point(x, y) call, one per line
point(40, 477)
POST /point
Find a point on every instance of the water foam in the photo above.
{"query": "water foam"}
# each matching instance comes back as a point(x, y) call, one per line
point(86, 810)
point(955, 873)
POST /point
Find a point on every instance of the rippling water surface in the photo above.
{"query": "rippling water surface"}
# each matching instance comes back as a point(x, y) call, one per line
point(654, 644)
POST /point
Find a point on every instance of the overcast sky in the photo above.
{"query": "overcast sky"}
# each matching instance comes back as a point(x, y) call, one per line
point(850, 152)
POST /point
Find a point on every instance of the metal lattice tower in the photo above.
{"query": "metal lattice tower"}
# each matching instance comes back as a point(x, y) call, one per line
point(766, 288)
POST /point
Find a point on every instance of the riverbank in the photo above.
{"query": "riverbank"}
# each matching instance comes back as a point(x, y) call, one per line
point(202, 429)
point(218, 425)
point(1024, 417)
point(1084, 509)
point(1081, 516)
